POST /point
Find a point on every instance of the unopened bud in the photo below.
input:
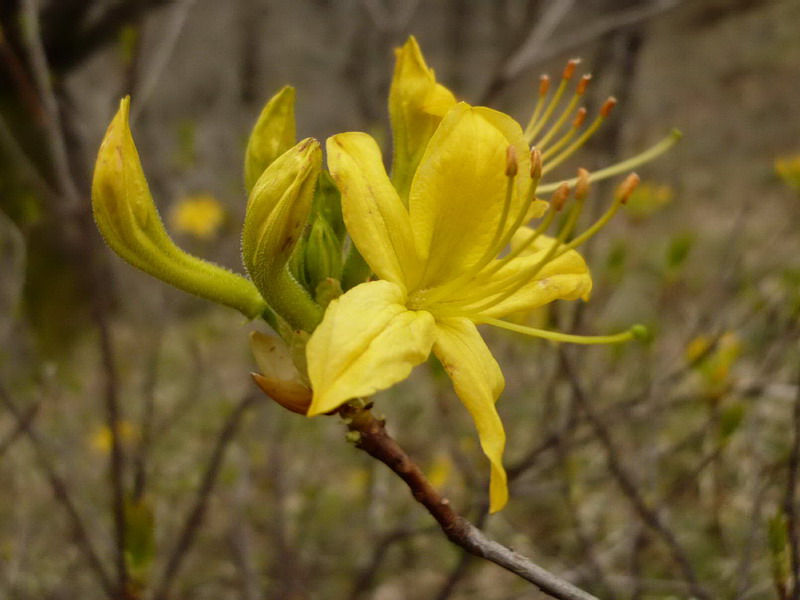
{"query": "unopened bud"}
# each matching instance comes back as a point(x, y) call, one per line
point(582, 185)
point(569, 70)
point(273, 134)
point(560, 196)
point(536, 164)
point(607, 107)
point(511, 162)
point(641, 333)
point(323, 253)
point(626, 188)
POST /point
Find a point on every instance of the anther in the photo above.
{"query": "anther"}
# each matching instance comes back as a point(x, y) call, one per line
point(608, 106)
point(569, 70)
point(580, 117)
point(582, 185)
point(559, 197)
point(583, 84)
point(544, 84)
point(511, 161)
point(536, 164)
point(626, 188)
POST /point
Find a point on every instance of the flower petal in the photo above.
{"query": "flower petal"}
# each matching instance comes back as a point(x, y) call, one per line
point(416, 106)
point(375, 217)
point(367, 342)
point(564, 278)
point(459, 189)
point(478, 382)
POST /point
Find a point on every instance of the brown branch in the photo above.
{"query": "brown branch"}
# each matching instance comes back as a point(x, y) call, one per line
point(198, 510)
point(61, 493)
point(375, 441)
point(790, 499)
point(24, 421)
point(629, 487)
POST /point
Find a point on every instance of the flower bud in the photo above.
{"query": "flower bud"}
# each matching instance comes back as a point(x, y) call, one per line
point(277, 213)
point(279, 378)
point(273, 134)
point(323, 256)
point(127, 217)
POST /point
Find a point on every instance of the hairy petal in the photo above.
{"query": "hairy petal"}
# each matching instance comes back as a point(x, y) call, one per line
point(367, 342)
point(478, 382)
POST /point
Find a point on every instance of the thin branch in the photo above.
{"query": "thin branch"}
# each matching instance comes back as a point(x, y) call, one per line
point(198, 510)
point(375, 441)
point(24, 421)
point(790, 499)
point(629, 487)
point(61, 494)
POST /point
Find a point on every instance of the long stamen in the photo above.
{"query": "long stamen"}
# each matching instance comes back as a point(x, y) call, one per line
point(580, 117)
point(636, 332)
point(510, 286)
point(537, 125)
point(544, 86)
point(620, 197)
point(501, 235)
point(626, 165)
point(579, 92)
point(605, 110)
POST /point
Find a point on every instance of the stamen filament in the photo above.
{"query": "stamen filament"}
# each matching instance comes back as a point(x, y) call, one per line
point(544, 85)
point(651, 153)
point(535, 126)
point(581, 89)
point(572, 148)
point(556, 336)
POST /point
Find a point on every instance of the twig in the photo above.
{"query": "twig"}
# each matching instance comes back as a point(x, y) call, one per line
point(195, 516)
point(375, 441)
point(790, 499)
point(24, 421)
point(96, 275)
point(62, 495)
point(629, 487)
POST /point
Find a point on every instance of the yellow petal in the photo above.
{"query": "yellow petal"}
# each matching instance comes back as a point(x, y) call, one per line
point(564, 278)
point(367, 342)
point(375, 217)
point(273, 357)
point(127, 217)
point(459, 189)
point(273, 134)
point(478, 382)
point(416, 106)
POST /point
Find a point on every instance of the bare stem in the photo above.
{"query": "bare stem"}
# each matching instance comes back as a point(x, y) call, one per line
point(375, 441)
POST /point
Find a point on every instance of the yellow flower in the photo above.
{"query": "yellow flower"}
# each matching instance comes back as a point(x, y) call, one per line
point(788, 168)
point(200, 215)
point(647, 199)
point(101, 439)
point(464, 184)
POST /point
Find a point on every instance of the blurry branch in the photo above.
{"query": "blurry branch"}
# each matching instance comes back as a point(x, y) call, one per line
point(538, 47)
point(25, 164)
point(365, 578)
point(97, 276)
point(390, 21)
point(24, 421)
point(198, 510)
point(790, 499)
point(629, 487)
point(60, 492)
point(161, 57)
point(375, 441)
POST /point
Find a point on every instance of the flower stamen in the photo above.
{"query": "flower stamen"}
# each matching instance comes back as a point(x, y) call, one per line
point(567, 112)
point(535, 126)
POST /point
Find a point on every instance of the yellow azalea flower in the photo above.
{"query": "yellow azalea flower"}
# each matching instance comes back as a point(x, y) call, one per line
point(199, 215)
point(439, 269)
point(788, 168)
point(101, 439)
point(647, 199)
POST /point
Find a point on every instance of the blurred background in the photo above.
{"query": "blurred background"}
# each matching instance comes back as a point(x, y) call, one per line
point(647, 471)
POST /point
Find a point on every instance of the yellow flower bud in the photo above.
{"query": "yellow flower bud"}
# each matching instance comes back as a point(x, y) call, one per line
point(323, 255)
point(274, 133)
point(127, 217)
point(277, 212)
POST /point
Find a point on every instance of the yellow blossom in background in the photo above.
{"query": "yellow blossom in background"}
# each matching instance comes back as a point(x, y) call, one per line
point(198, 215)
point(714, 364)
point(441, 471)
point(100, 440)
point(788, 168)
point(647, 199)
